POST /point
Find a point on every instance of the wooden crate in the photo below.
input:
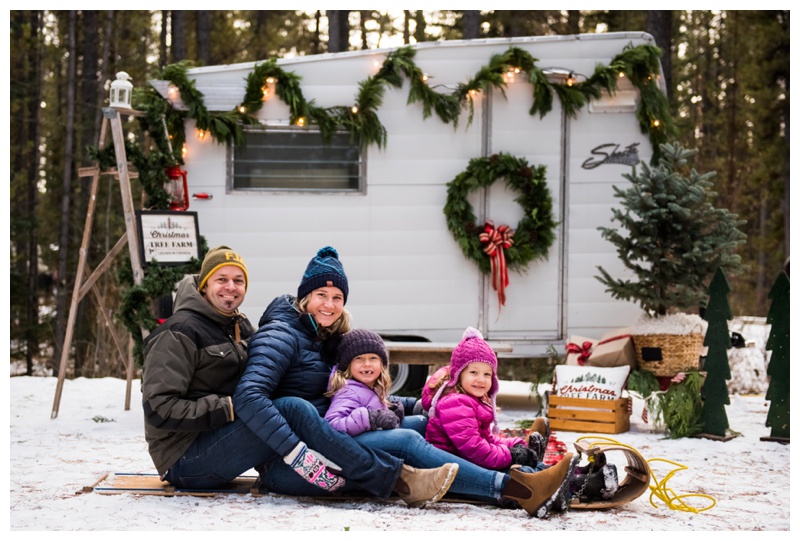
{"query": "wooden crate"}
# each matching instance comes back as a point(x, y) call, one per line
point(604, 417)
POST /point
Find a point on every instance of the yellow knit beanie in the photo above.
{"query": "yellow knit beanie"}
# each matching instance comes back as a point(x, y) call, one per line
point(219, 257)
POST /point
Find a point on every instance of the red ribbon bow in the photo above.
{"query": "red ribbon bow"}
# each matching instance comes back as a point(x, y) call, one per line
point(496, 241)
point(584, 349)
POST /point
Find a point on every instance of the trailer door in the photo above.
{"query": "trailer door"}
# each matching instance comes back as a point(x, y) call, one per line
point(532, 310)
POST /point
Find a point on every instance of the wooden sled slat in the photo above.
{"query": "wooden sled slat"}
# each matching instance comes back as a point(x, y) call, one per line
point(151, 484)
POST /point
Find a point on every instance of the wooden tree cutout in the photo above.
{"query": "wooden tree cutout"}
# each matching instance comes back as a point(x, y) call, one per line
point(778, 369)
point(718, 371)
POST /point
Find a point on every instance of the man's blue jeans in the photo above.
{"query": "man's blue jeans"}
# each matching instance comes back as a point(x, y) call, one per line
point(472, 481)
point(218, 456)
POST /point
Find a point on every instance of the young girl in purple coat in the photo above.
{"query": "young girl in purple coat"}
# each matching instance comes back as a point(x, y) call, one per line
point(460, 399)
point(359, 388)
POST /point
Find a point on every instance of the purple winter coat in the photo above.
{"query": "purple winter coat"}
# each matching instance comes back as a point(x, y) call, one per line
point(462, 425)
point(349, 409)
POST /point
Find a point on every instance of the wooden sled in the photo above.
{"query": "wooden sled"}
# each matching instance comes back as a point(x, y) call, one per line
point(150, 484)
point(635, 483)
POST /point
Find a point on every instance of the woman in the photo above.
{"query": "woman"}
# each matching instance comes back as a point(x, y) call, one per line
point(291, 355)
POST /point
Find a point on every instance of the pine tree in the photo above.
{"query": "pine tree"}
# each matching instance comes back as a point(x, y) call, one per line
point(718, 371)
point(778, 369)
point(675, 240)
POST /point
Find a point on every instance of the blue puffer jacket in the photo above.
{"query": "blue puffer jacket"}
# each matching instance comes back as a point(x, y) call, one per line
point(284, 359)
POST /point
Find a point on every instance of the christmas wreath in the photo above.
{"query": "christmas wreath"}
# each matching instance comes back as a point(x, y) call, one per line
point(506, 248)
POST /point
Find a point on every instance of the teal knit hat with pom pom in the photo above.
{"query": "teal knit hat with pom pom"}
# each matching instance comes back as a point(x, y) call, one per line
point(324, 270)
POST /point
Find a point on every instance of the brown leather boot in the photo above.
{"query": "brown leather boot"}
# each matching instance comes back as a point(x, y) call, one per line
point(420, 487)
point(536, 492)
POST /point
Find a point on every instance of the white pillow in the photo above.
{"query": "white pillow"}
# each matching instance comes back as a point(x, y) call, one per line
point(593, 382)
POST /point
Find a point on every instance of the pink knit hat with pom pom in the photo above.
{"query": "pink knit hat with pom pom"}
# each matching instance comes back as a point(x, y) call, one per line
point(473, 349)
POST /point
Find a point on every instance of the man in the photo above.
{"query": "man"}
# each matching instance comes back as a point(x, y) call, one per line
point(192, 363)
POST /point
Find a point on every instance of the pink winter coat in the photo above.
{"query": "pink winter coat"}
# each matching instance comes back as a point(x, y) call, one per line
point(462, 425)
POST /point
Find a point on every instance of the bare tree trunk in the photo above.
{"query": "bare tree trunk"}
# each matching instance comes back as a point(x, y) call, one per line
point(472, 24)
point(66, 183)
point(573, 21)
point(419, 29)
point(261, 29)
point(362, 25)
point(785, 169)
point(87, 131)
point(32, 316)
point(315, 42)
point(105, 75)
point(659, 25)
point(102, 338)
point(516, 27)
point(785, 202)
point(162, 39)
point(178, 35)
point(761, 257)
point(406, 27)
point(203, 36)
point(344, 30)
point(732, 101)
point(338, 30)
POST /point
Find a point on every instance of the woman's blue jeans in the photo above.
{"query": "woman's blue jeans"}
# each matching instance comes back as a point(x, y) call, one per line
point(472, 481)
point(218, 456)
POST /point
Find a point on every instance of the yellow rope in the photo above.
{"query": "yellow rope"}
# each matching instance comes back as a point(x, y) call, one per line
point(659, 489)
point(668, 496)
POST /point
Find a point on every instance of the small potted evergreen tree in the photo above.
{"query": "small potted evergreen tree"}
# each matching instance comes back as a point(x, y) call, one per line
point(673, 242)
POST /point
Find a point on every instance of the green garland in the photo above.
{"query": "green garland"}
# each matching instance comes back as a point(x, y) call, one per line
point(535, 232)
point(680, 407)
point(640, 64)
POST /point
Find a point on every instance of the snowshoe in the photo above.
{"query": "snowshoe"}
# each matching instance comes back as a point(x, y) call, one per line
point(596, 486)
point(592, 483)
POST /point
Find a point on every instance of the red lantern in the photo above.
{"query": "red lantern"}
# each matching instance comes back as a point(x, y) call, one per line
point(177, 188)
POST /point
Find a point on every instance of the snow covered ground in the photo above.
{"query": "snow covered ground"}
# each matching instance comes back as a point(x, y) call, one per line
point(51, 460)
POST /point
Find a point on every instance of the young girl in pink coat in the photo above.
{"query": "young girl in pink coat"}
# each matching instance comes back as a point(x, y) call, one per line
point(460, 399)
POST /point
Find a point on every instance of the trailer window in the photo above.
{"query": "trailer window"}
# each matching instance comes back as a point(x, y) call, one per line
point(295, 159)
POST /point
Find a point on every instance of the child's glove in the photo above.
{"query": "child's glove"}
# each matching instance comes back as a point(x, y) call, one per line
point(524, 456)
point(314, 468)
point(382, 420)
point(397, 407)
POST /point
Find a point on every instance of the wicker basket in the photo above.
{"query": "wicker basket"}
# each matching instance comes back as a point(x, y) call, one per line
point(668, 354)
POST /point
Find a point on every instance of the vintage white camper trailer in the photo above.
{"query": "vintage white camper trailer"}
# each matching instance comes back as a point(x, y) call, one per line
point(382, 208)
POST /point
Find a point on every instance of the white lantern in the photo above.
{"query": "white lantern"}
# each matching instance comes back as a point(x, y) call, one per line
point(121, 90)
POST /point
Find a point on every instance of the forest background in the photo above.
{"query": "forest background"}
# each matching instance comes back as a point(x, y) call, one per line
point(727, 75)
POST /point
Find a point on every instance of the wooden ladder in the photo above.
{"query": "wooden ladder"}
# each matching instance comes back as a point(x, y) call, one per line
point(84, 279)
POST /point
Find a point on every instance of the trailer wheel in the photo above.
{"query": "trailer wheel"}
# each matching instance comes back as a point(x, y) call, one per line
point(407, 379)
